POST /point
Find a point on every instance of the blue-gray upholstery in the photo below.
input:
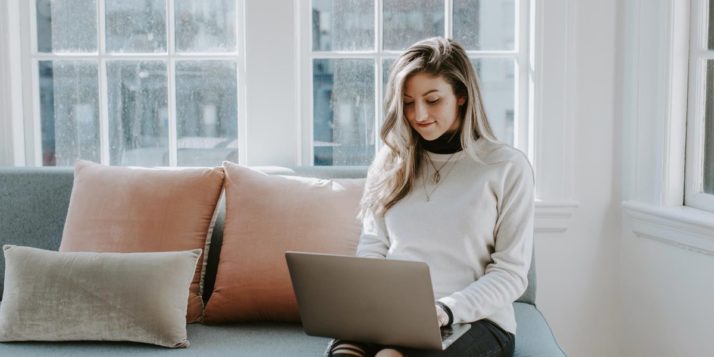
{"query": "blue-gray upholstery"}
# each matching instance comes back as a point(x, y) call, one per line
point(33, 206)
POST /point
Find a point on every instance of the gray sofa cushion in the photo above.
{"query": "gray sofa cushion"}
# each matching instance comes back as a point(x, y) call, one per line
point(33, 207)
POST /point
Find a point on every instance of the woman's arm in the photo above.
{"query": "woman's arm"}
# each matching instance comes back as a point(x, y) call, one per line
point(373, 242)
point(506, 277)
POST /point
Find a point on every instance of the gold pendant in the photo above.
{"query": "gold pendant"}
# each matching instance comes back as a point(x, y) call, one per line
point(437, 177)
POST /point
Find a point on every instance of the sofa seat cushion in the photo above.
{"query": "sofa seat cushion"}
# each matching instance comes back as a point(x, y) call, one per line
point(259, 339)
point(533, 339)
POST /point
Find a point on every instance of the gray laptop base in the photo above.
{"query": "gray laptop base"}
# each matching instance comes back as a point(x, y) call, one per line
point(388, 302)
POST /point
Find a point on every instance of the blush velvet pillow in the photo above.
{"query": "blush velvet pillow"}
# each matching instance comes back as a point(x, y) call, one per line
point(267, 215)
point(127, 209)
point(139, 297)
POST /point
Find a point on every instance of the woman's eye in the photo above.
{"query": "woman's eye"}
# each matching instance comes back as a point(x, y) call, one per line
point(410, 103)
point(432, 101)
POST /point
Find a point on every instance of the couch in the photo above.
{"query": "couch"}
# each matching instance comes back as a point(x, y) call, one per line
point(33, 206)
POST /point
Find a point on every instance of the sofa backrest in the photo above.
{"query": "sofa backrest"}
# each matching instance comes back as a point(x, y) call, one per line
point(34, 203)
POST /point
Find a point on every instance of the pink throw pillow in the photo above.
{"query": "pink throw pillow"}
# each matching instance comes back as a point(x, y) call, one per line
point(267, 215)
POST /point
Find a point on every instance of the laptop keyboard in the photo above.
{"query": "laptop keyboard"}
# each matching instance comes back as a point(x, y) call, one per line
point(446, 332)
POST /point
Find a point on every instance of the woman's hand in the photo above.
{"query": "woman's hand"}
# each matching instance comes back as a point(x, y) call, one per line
point(442, 316)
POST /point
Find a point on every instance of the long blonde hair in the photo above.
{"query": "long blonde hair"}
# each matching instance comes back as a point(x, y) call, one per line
point(394, 169)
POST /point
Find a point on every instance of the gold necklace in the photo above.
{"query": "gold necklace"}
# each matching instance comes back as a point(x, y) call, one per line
point(436, 177)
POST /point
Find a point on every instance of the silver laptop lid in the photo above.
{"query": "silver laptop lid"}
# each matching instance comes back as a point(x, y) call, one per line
point(388, 302)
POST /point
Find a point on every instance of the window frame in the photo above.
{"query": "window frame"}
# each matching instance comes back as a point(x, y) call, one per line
point(31, 58)
point(273, 53)
point(698, 57)
point(655, 93)
point(521, 55)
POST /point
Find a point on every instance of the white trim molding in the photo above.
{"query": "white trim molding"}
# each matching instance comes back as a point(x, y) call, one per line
point(553, 216)
point(683, 227)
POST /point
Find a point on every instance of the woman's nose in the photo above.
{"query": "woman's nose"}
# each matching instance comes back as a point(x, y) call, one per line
point(420, 112)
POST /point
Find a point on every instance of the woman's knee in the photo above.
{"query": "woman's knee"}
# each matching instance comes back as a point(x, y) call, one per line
point(388, 352)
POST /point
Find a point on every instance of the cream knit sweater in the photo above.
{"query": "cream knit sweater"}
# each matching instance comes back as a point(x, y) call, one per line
point(475, 233)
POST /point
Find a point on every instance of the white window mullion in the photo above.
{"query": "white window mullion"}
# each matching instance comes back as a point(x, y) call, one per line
point(36, 127)
point(305, 84)
point(379, 93)
point(494, 54)
point(703, 53)
point(448, 19)
point(343, 55)
point(241, 84)
point(102, 85)
point(533, 74)
point(522, 78)
point(171, 83)
point(36, 115)
point(101, 24)
point(135, 57)
point(103, 113)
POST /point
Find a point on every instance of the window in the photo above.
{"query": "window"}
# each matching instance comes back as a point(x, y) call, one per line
point(699, 186)
point(354, 42)
point(136, 82)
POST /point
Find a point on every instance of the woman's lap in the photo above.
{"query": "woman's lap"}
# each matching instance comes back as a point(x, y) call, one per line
point(483, 339)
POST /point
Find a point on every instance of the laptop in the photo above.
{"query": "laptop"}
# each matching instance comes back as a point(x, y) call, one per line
point(387, 302)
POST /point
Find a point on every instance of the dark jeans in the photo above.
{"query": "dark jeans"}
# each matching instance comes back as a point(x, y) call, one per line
point(483, 339)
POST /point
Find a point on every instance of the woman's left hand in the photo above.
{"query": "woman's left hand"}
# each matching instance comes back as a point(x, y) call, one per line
point(442, 316)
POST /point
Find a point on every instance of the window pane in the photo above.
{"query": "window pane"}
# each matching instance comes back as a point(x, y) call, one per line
point(138, 116)
point(346, 25)
point(69, 111)
point(498, 92)
point(66, 26)
point(206, 108)
point(136, 25)
point(408, 21)
point(343, 130)
point(709, 131)
point(386, 66)
point(205, 26)
point(485, 24)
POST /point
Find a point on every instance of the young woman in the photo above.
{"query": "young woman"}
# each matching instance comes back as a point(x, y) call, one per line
point(443, 190)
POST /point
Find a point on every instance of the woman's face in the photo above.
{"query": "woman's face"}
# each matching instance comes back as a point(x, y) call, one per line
point(430, 105)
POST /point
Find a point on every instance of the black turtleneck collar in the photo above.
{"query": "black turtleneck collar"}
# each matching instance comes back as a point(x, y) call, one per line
point(447, 143)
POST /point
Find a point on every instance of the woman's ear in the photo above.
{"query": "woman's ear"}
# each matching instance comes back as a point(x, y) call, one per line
point(461, 101)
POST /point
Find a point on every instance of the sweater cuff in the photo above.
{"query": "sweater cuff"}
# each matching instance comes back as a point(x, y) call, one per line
point(448, 312)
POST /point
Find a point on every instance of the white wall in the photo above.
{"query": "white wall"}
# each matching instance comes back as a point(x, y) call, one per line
point(667, 299)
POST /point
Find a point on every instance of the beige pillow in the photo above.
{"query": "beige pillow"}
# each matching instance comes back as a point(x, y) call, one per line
point(265, 216)
point(128, 209)
point(53, 296)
